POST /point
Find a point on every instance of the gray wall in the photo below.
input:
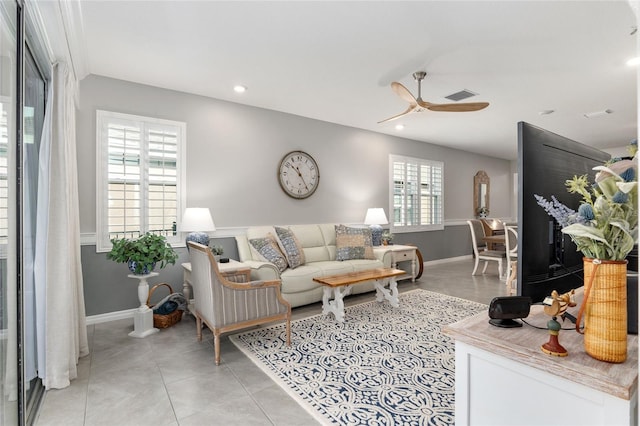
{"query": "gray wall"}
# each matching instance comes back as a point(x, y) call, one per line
point(232, 155)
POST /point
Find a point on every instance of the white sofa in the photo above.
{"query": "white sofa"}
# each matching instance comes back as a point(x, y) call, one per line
point(319, 245)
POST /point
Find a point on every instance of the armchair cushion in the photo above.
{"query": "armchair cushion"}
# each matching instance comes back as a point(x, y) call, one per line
point(290, 246)
point(268, 249)
point(353, 243)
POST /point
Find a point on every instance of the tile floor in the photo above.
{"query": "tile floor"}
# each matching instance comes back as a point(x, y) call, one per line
point(170, 379)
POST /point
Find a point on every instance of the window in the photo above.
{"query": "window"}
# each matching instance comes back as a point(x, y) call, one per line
point(416, 192)
point(140, 177)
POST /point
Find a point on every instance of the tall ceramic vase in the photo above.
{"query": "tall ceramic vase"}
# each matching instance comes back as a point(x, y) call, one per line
point(604, 308)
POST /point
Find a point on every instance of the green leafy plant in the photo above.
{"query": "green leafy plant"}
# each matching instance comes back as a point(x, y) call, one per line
point(483, 211)
point(145, 251)
point(387, 236)
point(217, 250)
point(606, 223)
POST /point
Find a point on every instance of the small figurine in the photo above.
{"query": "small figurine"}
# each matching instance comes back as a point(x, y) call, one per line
point(555, 305)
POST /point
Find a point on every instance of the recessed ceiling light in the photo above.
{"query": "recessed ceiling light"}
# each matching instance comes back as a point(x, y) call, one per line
point(239, 88)
point(399, 126)
point(633, 62)
point(597, 113)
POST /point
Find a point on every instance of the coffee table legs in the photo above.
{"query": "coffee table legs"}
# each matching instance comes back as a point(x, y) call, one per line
point(391, 294)
point(336, 306)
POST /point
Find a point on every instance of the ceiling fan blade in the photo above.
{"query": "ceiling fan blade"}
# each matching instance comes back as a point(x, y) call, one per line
point(464, 107)
point(403, 92)
point(411, 108)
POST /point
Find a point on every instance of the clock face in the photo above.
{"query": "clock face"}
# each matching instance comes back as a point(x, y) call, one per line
point(298, 174)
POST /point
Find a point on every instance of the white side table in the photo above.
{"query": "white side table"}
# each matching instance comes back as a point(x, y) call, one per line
point(143, 317)
point(401, 253)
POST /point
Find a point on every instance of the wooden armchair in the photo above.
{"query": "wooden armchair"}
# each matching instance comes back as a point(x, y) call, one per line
point(226, 306)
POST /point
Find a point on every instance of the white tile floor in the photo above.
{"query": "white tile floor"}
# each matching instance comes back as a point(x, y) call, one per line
point(170, 378)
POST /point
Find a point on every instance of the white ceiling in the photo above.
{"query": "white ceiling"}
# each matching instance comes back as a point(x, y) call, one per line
point(334, 61)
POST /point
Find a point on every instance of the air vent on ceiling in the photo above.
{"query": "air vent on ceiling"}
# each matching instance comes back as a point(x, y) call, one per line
point(463, 94)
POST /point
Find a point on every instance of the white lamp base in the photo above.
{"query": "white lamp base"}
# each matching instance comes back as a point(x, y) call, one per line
point(198, 237)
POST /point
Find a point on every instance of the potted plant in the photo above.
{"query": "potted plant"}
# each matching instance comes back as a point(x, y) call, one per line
point(142, 254)
point(483, 211)
point(217, 251)
point(387, 236)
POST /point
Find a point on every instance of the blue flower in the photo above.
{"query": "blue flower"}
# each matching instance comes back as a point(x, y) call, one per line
point(628, 175)
point(554, 208)
point(620, 197)
point(586, 211)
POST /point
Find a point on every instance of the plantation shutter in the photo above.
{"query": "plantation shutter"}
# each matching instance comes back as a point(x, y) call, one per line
point(141, 177)
point(4, 175)
point(416, 194)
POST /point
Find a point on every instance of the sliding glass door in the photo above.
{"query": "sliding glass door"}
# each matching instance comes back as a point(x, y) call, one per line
point(22, 106)
point(9, 100)
point(33, 120)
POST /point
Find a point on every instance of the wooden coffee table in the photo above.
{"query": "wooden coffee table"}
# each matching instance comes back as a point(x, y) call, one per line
point(336, 287)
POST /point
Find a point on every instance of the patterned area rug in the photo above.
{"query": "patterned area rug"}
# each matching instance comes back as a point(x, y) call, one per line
point(382, 366)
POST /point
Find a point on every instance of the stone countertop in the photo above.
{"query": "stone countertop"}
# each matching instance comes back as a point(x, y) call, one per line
point(522, 345)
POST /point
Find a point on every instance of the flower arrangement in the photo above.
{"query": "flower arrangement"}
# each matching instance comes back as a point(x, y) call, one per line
point(606, 223)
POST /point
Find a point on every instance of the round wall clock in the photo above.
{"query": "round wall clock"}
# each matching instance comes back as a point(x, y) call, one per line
point(298, 174)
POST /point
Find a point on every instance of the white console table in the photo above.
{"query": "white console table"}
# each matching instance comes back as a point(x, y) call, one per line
point(503, 378)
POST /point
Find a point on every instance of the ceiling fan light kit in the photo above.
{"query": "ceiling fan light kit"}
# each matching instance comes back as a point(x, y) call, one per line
point(419, 105)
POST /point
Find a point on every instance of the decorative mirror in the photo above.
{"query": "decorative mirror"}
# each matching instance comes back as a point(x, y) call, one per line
point(481, 194)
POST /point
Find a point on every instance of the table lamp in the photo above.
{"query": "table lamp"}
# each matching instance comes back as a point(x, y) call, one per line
point(197, 221)
point(376, 217)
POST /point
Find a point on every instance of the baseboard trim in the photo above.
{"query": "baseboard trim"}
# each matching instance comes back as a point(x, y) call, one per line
point(447, 260)
point(110, 316)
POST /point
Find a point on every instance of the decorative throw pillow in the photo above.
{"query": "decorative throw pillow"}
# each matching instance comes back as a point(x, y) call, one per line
point(353, 243)
point(291, 247)
point(269, 250)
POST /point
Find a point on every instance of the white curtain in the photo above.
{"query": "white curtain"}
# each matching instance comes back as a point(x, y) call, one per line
point(62, 332)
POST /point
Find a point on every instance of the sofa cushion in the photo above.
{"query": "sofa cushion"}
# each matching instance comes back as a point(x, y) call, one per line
point(353, 243)
point(268, 249)
point(290, 246)
point(311, 239)
point(300, 279)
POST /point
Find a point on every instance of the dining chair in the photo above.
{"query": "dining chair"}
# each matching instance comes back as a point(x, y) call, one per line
point(225, 306)
point(477, 234)
point(511, 244)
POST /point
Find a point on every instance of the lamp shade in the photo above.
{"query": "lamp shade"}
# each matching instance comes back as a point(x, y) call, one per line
point(197, 219)
point(375, 216)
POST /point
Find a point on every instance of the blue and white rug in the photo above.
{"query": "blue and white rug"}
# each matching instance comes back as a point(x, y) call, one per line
point(382, 366)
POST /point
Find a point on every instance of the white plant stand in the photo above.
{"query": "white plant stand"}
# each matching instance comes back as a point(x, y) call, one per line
point(143, 317)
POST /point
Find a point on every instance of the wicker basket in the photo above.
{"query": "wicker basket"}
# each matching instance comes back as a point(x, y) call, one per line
point(605, 309)
point(164, 321)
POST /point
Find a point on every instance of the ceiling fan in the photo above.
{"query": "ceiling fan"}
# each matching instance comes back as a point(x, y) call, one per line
point(418, 105)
